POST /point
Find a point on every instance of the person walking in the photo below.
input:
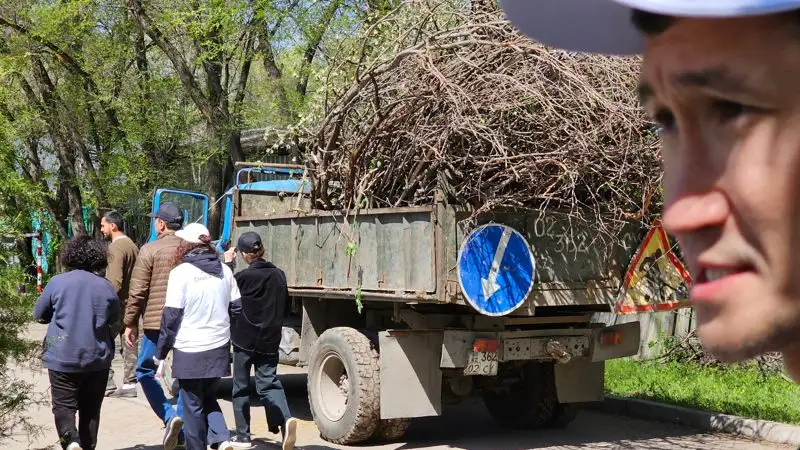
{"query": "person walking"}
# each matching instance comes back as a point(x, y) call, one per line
point(195, 325)
point(146, 301)
point(81, 310)
point(719, 79)
point(256, 336)
point(122, 254)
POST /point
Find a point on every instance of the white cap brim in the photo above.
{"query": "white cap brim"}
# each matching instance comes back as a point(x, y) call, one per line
point(186, 237)
point(192, 233)
point(604, 26)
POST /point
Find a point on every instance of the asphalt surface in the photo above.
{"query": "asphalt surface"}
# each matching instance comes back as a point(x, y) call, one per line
point(129, 424)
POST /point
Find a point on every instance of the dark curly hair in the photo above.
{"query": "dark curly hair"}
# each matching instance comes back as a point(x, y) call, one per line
point(84, 252)
point(185, 247)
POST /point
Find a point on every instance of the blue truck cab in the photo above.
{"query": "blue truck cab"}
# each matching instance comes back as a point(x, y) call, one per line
point(279, 179)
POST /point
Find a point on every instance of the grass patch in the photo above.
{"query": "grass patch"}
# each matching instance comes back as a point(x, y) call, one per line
point(733, 390)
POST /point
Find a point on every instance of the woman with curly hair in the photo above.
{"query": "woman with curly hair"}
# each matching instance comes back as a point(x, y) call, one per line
point(81, 308)
point(201, 296)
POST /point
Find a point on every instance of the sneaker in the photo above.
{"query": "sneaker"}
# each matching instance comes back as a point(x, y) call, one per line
point(289, 434)
point(225, 446)
point(172, 433)
point(126, 391)
point(241, 442)
point(74, 446)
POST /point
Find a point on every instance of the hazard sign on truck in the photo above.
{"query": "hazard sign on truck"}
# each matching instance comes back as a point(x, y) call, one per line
point(656, 280)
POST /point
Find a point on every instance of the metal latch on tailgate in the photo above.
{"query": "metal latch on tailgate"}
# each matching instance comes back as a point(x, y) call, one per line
point(562, 348)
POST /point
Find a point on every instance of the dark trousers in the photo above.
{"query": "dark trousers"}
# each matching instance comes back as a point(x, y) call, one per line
point(129, 358)
point(268, 387)
point(203, 422)
point(80, 393)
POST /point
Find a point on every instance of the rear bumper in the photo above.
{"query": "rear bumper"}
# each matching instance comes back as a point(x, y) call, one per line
point(558, 345)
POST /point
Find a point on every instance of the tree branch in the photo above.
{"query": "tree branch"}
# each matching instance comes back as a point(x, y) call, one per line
point(72, 65)
point(315, 38)
point(145, 23)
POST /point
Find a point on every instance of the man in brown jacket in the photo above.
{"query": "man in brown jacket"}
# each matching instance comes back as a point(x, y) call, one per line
point(146, 301)
point(121, 258)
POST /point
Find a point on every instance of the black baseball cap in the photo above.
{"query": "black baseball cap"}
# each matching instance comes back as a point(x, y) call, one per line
point(249, 242)
point(168, 212)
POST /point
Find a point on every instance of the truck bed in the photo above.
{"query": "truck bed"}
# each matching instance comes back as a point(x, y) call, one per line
point(409, 254)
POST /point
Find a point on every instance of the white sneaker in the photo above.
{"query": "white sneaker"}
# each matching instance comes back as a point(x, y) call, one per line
point(225, 446)
point(172, 433)
point(74, 446)
point(289, 434)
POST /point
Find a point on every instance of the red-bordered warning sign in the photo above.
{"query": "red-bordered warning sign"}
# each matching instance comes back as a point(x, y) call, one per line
point(656, 280)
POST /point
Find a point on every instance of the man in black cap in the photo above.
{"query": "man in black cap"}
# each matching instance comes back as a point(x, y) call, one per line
point(148, 290)
point(256, 336)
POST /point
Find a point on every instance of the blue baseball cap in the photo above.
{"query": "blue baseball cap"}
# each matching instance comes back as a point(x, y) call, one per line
point(604, 26)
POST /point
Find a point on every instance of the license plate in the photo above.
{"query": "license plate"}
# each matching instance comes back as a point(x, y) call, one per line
point(483, 358)
point(481, 363)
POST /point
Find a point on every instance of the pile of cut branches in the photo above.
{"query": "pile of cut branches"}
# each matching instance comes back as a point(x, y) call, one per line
point(490, 118)
point(689, 349)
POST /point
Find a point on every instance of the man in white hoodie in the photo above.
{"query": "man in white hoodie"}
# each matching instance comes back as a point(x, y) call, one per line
point(201, 297)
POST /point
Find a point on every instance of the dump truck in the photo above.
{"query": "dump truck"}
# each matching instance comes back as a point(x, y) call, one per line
point(399, 311)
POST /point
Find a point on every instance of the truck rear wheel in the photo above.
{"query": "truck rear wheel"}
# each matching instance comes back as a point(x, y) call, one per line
point(390, 430)
point(529, 402)
point(563, 415)
point(344, 386)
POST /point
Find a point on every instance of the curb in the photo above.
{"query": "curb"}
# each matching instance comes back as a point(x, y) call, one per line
point(762, 430)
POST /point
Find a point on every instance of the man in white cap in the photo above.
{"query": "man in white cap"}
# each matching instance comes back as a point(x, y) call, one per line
point(721, 80)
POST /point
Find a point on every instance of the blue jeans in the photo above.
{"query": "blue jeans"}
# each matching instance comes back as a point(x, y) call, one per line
point(204, 423)
point(146, 376)
point(268, 388)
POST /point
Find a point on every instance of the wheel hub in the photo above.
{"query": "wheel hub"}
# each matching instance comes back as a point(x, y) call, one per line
point(333, 386)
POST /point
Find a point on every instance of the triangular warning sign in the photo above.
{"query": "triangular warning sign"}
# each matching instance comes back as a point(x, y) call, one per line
point(656, 279)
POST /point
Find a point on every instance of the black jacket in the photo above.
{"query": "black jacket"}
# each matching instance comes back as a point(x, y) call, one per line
point(265, 303)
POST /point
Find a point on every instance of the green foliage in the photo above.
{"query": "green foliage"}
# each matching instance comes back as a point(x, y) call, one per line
point(741, 391)
point(16, 395)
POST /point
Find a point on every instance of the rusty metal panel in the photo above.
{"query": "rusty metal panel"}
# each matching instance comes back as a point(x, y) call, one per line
point(391, 251)
point(394, 251)
point(255, 204)
point(574, 266)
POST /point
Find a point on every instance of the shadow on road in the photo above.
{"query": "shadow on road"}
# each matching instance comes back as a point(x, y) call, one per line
point(469, 426)
point(143, 447)
point(274, 445)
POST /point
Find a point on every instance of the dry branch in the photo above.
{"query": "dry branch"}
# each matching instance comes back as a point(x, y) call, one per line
point(491, 119)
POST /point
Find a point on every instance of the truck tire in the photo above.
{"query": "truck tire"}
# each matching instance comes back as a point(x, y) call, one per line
point(563, 415)
point(344, 386)
point(390, 430)
point(529, 402)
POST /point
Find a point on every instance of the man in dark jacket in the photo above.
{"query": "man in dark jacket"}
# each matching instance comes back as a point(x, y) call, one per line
point(256, 336)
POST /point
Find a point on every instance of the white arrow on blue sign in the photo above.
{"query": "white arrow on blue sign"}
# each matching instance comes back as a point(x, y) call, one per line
point(495, 269)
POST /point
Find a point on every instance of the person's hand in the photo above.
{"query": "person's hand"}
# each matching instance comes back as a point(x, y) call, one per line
point(230, 255)
point(131, 336)
point(160, 367)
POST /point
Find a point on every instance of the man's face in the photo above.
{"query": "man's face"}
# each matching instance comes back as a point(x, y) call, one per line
point(106, 228)
point(727, 96)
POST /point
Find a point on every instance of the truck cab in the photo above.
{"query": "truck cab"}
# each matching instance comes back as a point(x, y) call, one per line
point(279, 180)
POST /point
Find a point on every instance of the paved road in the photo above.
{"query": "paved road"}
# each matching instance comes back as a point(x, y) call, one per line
point(129, 424)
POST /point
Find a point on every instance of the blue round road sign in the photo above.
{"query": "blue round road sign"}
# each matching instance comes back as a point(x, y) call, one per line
point(495, 269)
